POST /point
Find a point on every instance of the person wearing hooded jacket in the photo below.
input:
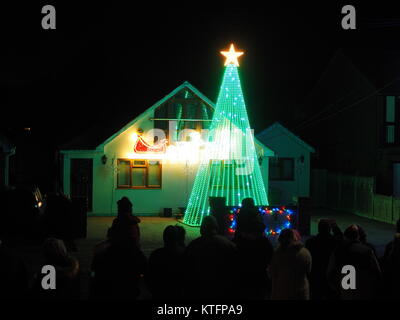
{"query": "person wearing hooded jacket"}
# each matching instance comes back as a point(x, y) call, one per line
point(126, 226)
point(290, 268)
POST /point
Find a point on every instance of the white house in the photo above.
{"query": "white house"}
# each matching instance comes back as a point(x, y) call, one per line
point(155, 173)
point(289, 170)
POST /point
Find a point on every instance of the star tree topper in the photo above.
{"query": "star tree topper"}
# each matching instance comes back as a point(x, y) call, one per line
point(232, 56)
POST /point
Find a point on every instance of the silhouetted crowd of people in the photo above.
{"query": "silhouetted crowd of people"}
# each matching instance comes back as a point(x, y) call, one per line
point(24, 217)
point(215, 265)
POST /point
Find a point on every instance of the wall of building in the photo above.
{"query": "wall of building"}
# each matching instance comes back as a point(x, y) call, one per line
point(284, 146)
point(177, 177)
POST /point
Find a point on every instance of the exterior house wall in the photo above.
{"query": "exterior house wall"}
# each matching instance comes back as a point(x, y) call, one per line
point(285, 146)
point(177, 178)
point(300, 186)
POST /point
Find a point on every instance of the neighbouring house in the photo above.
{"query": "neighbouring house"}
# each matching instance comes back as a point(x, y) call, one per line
point(352, 117)
point(7, 150)
point(289, 169)
point(155, 173)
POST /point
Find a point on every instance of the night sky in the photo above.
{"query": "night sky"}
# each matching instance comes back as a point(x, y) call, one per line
point(106, 64)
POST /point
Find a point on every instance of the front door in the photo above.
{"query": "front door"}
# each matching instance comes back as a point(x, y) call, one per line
point(82, 180)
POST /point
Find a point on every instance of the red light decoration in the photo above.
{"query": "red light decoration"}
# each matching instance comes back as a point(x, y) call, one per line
point(142, 146)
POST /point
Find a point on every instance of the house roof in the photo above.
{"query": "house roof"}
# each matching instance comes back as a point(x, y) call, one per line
point(278, 126)
point(342, 83)
point(186, 84)
point(90, 140)
point(99, 134)
point(101, 131)
point(348, 80)
point(379, 65)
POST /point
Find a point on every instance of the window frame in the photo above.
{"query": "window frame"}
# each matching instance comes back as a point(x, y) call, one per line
point(386, 124)
point(281, 159)
point(146, 166)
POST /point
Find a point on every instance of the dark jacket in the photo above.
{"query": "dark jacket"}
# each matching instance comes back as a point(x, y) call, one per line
point(254, 257)
point(13, 275)
point(321, 247)
point(164, 274)
point(125, 227)
point(117, 272)
point(245, 218)
point(391, 268)
point(363, 259)
point(209, 268)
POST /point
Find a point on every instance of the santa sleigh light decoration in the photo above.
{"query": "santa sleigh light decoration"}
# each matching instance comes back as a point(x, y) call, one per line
point(142, 146)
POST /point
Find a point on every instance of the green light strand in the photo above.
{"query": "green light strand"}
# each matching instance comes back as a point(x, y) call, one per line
point(232, 142)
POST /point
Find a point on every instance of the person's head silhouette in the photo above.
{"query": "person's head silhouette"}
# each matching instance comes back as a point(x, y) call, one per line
point(124, 206)
point(324, 227)
point(352, 233)
point(248, 203)
point(286, 238)
point(170, 236)
point(209, 226)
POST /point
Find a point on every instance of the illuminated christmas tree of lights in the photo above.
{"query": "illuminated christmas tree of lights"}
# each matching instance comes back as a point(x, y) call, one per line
point(230, 168)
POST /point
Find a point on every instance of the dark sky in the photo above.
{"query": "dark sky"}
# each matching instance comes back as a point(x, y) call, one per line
point(105, 64)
